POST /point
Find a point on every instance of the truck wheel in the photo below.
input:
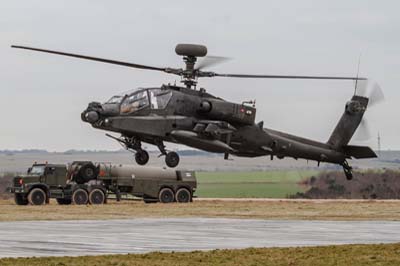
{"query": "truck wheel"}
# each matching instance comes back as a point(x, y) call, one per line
point(141, 157)
point(80, 197)
point(97, 196)
point(172, 159)
point(183, 195)
point(20, 199)
point(166, 195)
point(88, 172)
point(37, 196)
point(64, 201)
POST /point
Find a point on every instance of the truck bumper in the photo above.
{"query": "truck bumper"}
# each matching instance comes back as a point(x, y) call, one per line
point(16, 190)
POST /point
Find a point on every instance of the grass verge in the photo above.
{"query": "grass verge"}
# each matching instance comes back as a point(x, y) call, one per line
point(267, 184)
point(355, 255)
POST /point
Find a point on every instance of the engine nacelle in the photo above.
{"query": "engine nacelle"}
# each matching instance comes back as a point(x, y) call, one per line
point(227, 111)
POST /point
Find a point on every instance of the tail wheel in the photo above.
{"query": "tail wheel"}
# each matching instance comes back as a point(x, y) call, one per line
point(183, 195)
point(166, 195)
point(20, 199)
point(80, 197)
point(97, 196)
point(37, 196)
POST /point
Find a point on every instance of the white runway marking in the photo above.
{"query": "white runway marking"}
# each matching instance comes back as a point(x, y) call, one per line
point(74, 238)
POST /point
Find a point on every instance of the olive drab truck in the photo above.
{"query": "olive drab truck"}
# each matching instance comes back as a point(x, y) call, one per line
point(85, 182)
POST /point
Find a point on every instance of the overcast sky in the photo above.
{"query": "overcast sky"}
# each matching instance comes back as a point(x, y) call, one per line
point(43, 95)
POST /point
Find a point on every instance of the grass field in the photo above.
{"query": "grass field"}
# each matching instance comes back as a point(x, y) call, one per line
point(355, 255)
point(270, 184)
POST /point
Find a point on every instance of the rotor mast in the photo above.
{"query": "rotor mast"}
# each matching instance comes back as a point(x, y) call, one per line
point(190, 52)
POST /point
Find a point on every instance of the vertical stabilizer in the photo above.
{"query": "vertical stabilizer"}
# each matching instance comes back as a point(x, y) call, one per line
point(349, 122)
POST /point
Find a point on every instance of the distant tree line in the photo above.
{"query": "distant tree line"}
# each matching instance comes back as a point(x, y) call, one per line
point(371, 184)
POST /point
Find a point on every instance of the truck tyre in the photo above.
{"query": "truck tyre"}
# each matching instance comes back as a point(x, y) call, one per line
point(87, 172)
point(37, 196)
point(64, 201)
point(141, 157)
point(20, 199)
point(172, 159)
point(183, 195)
point(166, 195)
point(80, 197)
point(97, 196)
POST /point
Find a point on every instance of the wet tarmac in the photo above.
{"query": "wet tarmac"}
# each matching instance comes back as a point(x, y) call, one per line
point(73, 238)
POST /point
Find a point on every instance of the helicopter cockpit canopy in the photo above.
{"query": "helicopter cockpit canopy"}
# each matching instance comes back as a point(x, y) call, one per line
point(155, 98)
point(115, 99)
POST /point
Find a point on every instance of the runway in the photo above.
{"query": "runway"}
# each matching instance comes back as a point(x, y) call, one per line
point(74, 238)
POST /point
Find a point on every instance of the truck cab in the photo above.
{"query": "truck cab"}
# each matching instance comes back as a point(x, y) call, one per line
point(34, 186)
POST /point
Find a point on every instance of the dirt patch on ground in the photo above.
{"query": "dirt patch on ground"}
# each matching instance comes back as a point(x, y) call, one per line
point(255, 209)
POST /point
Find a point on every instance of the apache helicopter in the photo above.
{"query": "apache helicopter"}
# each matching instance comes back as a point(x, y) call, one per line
point(193, 117)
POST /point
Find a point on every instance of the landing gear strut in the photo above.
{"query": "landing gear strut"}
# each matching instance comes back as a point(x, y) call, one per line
point(133, 144)
point(171, 158)
point(348, 170)
point(141, 156)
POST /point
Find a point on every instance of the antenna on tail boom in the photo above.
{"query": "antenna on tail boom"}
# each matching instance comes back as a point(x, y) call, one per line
point(358, 72)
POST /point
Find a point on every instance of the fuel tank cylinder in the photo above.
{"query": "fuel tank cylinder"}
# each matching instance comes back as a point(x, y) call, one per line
point(134, 171)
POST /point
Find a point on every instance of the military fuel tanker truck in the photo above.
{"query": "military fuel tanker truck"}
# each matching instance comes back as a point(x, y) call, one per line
point(85, 182)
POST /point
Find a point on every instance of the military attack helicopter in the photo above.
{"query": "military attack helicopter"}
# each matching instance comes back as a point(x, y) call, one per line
point(196, 118)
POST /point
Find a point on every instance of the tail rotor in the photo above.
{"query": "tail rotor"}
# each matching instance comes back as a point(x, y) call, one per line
point(375, 95)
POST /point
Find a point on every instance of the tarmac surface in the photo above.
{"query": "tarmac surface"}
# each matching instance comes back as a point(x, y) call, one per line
point(94, 237)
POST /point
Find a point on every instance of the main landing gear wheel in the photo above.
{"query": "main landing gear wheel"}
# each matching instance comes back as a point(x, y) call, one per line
point(172, 159)
point(141, 157)
point(37, 197)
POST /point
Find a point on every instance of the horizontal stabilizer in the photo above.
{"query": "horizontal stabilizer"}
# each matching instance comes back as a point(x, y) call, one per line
point(359, 152)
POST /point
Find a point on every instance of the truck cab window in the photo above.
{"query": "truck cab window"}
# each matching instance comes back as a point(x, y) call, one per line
point(37, 170)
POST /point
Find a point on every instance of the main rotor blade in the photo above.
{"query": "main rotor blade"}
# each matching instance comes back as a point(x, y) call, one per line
point(285, 77)
point(211, 60)
point(92, 58)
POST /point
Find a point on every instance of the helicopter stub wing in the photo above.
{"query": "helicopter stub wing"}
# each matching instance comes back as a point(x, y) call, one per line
point(192, 139)
point(213, 128)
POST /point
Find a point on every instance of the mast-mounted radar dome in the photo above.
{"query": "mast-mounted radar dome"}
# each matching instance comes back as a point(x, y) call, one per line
point(195, 50)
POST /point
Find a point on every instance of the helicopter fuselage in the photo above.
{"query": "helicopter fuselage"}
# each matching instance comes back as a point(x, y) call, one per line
point(200, 120)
